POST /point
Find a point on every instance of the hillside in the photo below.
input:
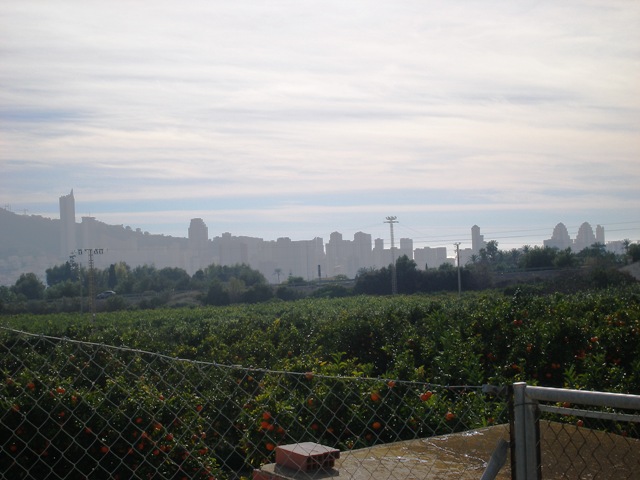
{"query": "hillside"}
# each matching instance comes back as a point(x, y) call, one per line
point(28, 235)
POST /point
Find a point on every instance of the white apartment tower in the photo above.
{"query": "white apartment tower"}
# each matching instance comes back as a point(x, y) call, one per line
point(67, 225)
point(198, 234)
point(477, 240)
point(600, 234)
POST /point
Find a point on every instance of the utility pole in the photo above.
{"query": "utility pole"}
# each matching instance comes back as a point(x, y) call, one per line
point(77, 268)
point(394, 280)
point(92, 287)
point(458, 263)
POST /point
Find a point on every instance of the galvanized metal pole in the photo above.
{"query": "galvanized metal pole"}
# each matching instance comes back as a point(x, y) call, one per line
point(526, 436)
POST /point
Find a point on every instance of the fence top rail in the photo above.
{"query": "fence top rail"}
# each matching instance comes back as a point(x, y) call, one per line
point(584, 397)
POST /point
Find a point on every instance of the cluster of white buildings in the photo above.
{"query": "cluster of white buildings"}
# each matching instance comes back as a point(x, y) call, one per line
point(275, 259)
point(561, 240)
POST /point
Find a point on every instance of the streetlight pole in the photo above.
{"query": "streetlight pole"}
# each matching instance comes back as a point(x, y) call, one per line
point(457, 244)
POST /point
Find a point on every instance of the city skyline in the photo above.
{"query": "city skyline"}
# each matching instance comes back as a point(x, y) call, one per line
point(33, 243)
point(300, 119)
point(559, 236)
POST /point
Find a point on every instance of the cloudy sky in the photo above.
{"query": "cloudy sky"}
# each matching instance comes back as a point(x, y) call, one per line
point(298, 118)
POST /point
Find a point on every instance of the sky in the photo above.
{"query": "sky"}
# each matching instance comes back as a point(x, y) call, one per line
point(298, 118)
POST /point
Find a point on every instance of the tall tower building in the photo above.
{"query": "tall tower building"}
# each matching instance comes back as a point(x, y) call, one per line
point(199, 255)
point(600, 234)
point(67, 225)
point(585, 238)
point(406, 248)
point(477, 240)
point(559, 238)
point(198, 234)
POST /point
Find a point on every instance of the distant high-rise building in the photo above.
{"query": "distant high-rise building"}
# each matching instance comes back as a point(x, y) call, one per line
point(67, 225)
point(198, 234)
point(362, 250)
point(406, 248)
point(585, 238)
point(200, 254)
point(600, 234)
point(477, 240)
point(232, 251)
point(378, 254)
point(428, 257)
point(559, 238)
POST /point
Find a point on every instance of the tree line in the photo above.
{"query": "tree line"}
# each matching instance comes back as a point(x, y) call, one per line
point(224, 285)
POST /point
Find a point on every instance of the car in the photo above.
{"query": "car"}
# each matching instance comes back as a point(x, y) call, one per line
point(105, 294)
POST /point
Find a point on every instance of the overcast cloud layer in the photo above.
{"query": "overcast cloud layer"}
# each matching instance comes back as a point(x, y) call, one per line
point(297, 118)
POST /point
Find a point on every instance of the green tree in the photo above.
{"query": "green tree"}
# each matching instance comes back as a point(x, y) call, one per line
point(243, 272)
point(331, 291)
point(286, 293)
point(113, 278)
point(492, 250)
point(60, 273)
point(235, 288)
point(539, 257)
point(67, 289)
point(199, 280)
point(29, 286)
point(257, 293)
point(565, 259)
point(216, 294)
point(295, 281)
point(278, 272)
point(408, 275)
point(170, 278)
point(634, 252)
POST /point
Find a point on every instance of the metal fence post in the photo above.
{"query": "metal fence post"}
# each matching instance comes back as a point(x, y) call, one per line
point(527, 455)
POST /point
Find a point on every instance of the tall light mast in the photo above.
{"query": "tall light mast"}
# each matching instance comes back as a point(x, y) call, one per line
point(457, 245)
point(394, 280)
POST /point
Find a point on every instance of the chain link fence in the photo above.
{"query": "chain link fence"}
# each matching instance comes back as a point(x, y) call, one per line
point(576, 434)
point(75, 410)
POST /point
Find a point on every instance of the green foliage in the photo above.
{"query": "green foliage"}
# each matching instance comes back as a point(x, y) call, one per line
point(296, 281)
point(217, 294)
point(480, 338)
point(634, 252)
point(29, 287)
point(68, 289)
point(242, 272)
point(331, 291)
point(60, 273)
point(287, 294)
point(411, 280)
point(349, 372)
point(539, 257)
point(112, 422)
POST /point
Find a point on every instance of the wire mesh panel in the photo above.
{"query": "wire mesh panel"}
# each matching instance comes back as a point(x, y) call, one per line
point(575, 445)
point(569, 434)
point(74, 409)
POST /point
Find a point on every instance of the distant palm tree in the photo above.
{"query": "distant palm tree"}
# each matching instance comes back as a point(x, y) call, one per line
point(278, 272)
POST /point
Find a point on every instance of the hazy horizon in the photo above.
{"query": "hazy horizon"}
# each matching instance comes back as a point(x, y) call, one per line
point(298, 119)
point(513, 238)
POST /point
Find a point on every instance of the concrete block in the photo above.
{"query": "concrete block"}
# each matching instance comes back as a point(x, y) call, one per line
point(306, 456)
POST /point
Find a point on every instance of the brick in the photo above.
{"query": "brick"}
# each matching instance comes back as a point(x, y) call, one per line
point(306, 456)
point(260, 475)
